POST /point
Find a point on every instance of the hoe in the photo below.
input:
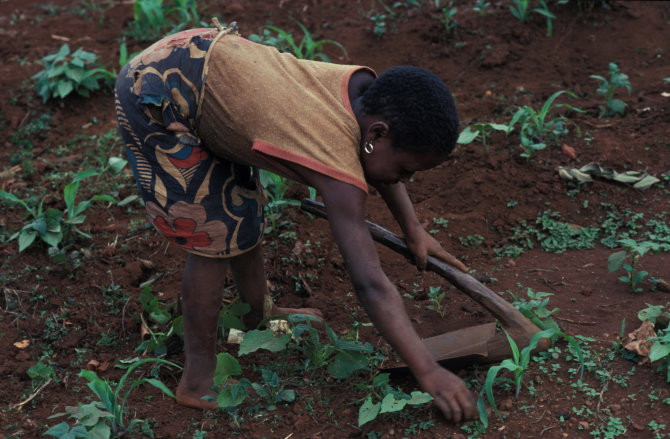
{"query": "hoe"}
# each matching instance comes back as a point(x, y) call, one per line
point(481, 344)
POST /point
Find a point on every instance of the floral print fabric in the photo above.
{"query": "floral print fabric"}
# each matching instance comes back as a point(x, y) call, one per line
point(200, 202)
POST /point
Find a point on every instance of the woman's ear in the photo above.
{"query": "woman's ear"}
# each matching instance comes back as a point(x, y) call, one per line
point(378, 129)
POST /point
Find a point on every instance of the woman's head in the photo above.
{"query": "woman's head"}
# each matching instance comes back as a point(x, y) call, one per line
point(417, 107)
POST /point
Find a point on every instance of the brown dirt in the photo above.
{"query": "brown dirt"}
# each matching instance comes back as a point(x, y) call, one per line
point(492, 65)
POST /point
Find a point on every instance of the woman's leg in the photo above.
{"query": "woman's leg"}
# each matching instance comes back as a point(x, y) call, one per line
point(249, 275)
point(201, 294)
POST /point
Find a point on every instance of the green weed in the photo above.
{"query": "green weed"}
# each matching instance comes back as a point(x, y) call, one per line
point(518, 364)
point(272, 391)
point(385, 399)
point(104, 418)
point(66, 72)
point(536, 128)
point(154, 18)
point(535, 309)
point(436, 299)
point(607, 88)
point(633, 251)
point(54, 226)
point(521, 11)
point(481, 131)
point(308, 48)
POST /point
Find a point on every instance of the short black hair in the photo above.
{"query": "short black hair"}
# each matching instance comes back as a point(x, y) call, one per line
point(418, 107)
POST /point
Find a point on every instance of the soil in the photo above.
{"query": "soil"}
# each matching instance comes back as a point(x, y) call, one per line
point(85, 312)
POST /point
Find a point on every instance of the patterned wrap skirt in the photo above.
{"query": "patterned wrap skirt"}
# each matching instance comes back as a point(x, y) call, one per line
point(204, 204)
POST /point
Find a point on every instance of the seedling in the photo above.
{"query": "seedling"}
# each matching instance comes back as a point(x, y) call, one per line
point(343, 357)
point(536, 309)
point(519, 9)
point(309, 48)
point(633, 251)
point(98, 417)
point(518, 365)
point(51, 225)
point(379, 28)
point(536, 129)
point(272, 392)
point(481, 131)
point(448, 21)
point(153, 18)
point(275, 187)
point(388, 399)
point(436, 299)
point(608, 88)
point(66, 72)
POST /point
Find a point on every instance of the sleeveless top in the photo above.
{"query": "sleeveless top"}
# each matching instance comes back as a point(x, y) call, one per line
point(260, 107)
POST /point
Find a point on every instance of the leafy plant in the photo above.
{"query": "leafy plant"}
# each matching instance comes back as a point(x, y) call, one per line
point(272, 392)
point(481, 6)
point(156, 340)
point(536, 129)
point(436, 299)
point(481, 131)
point(343, 357)
point(275, 187)
point(229, 394)
point(308, 48)
point(660, 350)
point(536, 309)
point(607, 88)
point(448, 21)
point(659, 316)
point(385, 399)
point(518, 364)
point(65, 72)
point(633, 251)
point(379, 21)
point(104, 418)
point(153, 18)
point(520, 10)
point(52, 225)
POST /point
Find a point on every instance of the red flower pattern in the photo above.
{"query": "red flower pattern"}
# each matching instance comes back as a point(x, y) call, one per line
point(182, 232)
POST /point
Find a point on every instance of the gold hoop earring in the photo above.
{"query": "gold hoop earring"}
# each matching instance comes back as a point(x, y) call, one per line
point(368, 147)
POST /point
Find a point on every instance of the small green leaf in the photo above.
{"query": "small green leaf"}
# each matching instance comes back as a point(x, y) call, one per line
point(659, 350)
point(391, 404)
point(256, 339)
point(368, 411)
point(615, 260)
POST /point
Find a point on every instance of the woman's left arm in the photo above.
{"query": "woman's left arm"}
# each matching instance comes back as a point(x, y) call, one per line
point(420, 242)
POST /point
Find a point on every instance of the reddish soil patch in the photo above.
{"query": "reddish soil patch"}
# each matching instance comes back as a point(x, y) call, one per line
point(87, 309)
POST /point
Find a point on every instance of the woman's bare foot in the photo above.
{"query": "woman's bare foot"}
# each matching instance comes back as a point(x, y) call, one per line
point(191, 394)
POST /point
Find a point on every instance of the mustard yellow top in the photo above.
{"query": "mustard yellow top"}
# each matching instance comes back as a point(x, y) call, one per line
point(260, 105)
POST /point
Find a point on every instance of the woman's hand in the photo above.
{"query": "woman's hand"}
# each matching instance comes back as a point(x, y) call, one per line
point(449, 394)
point(422, 244)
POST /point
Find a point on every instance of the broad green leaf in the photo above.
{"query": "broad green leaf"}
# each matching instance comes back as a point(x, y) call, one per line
point(26, 238)
point(368, 411)
point(63, 88)
point(615, 260)
point(256, 339)
point(226, 365)
point(467, 136)
point(100, 431)
point(346, 363)
point(391, 404)
point(659, 350)
point(116, 164)
point(418, 397)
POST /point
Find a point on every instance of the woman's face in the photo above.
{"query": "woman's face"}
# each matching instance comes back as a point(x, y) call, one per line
point(388, 165)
